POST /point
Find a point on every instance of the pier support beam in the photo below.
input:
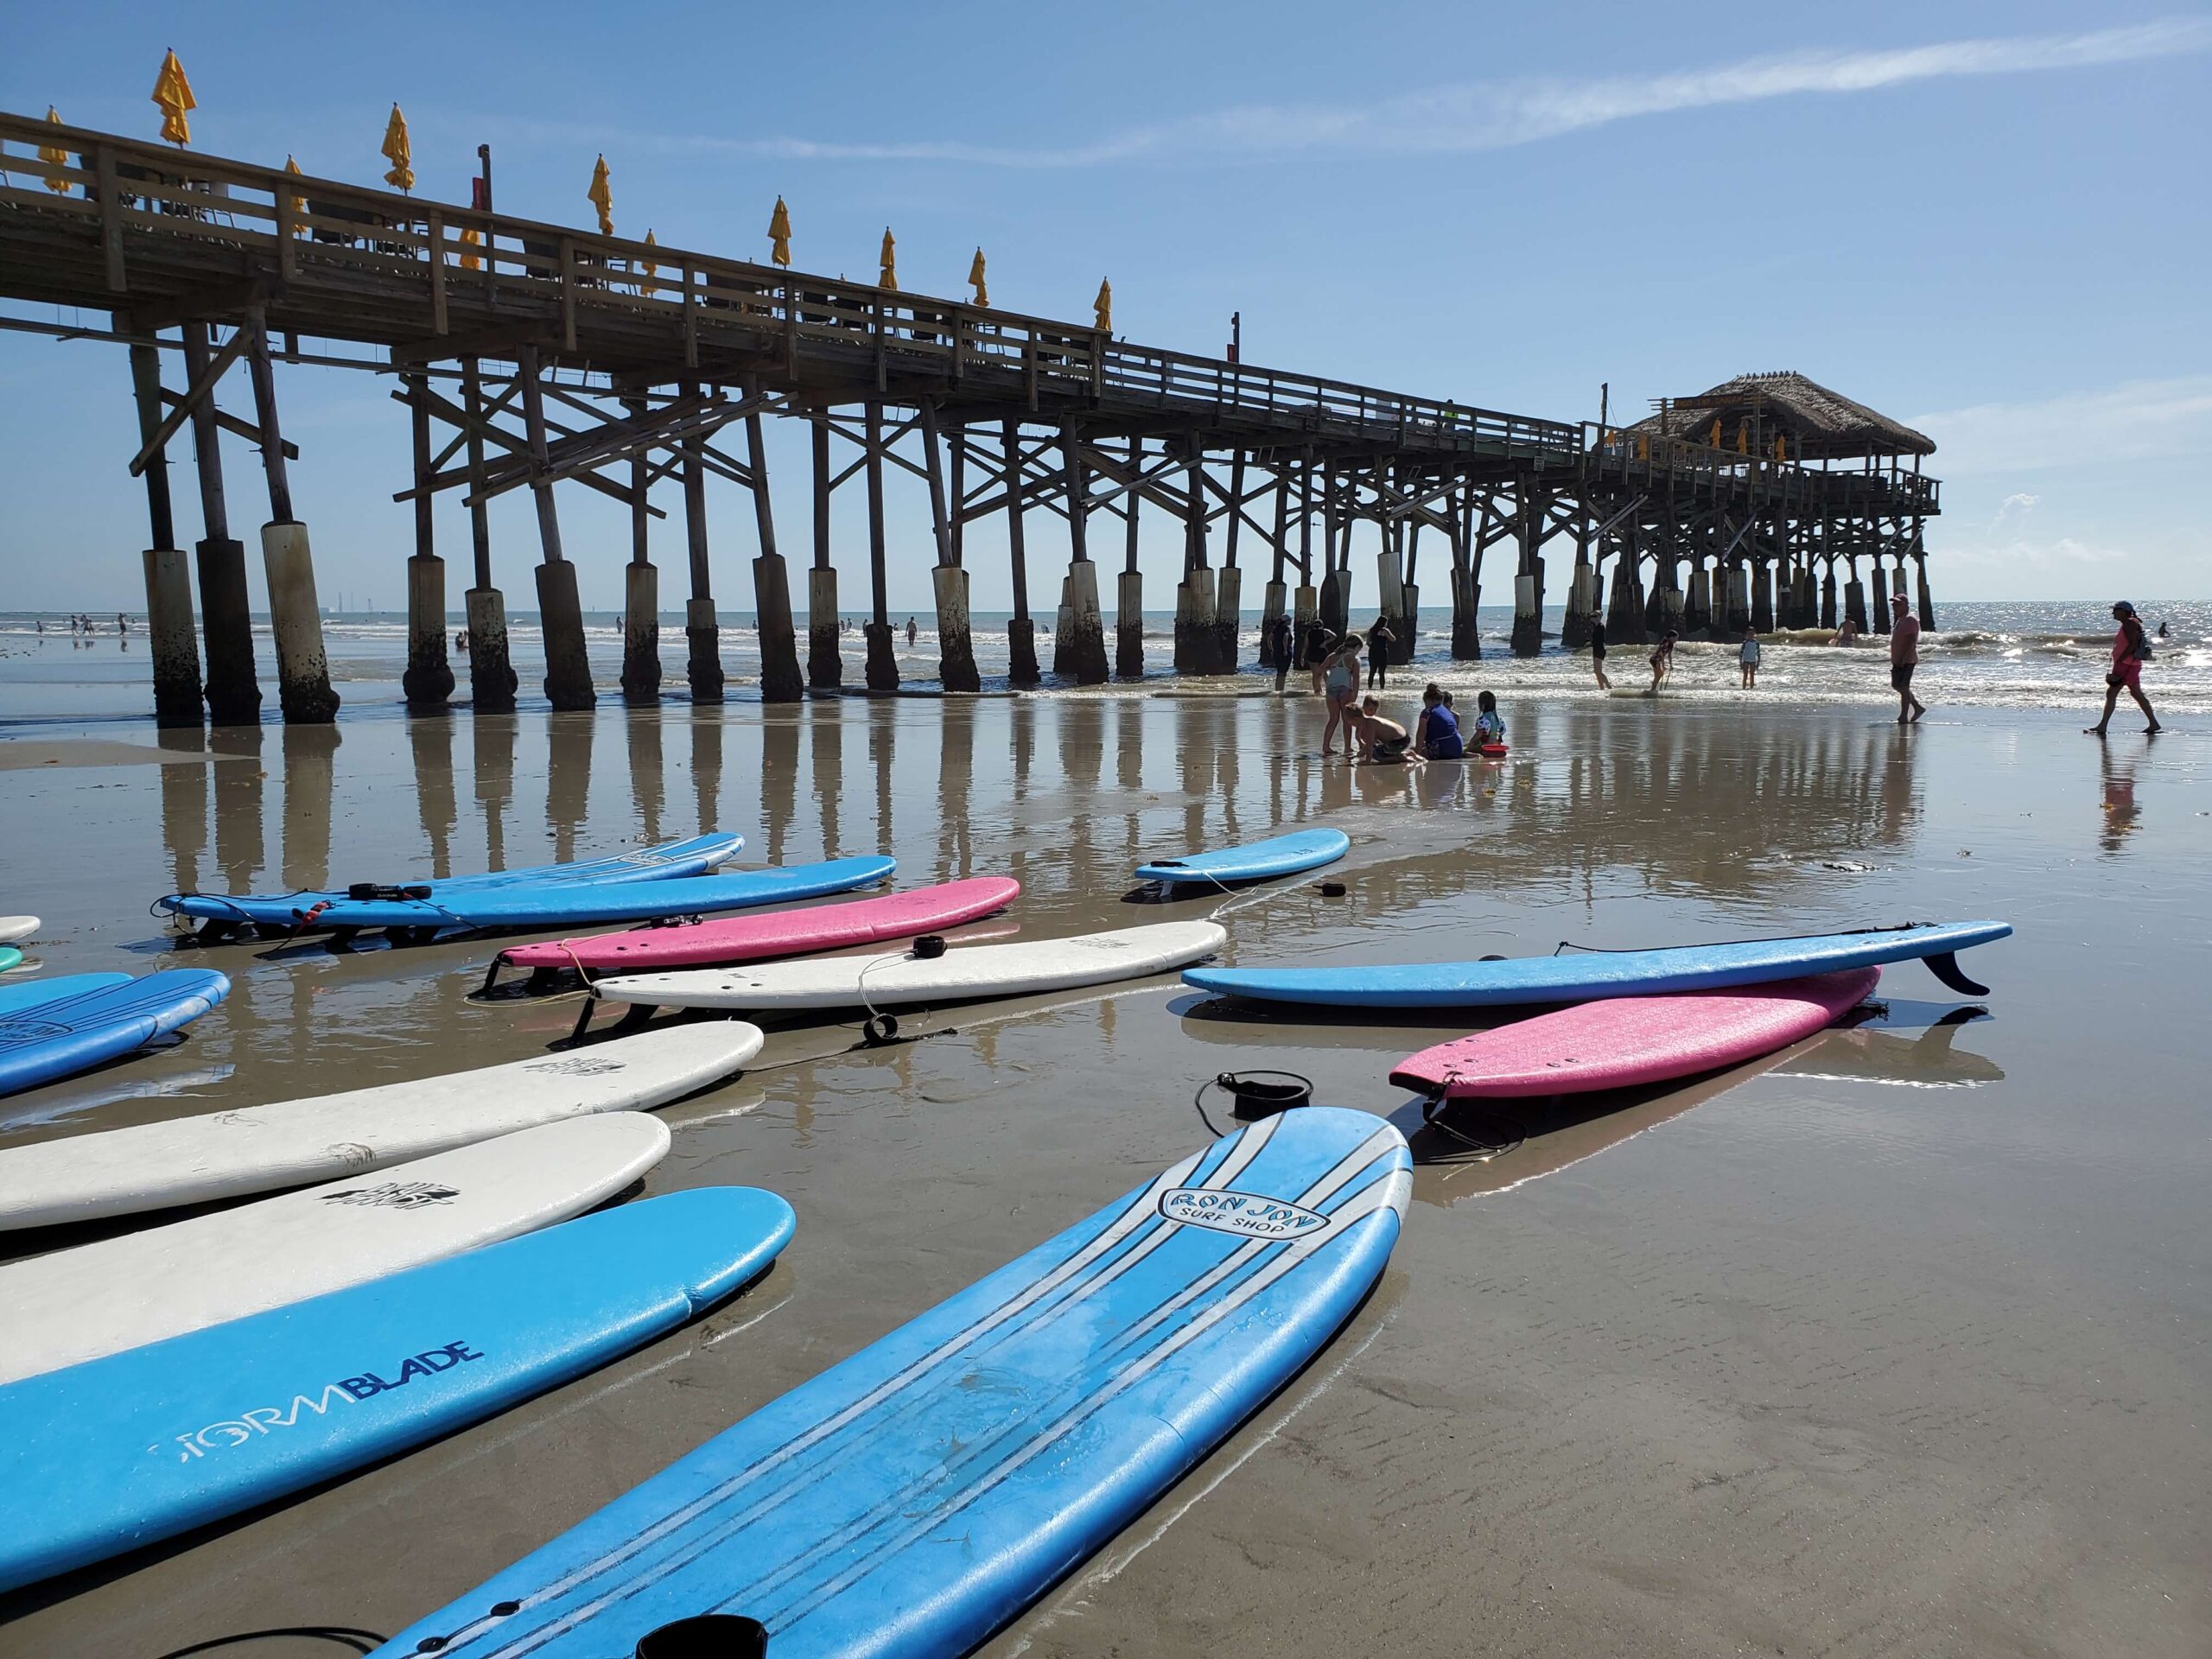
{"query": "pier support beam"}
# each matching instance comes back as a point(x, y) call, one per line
point(1274, 606)
point(294, 617)
point(1584, 597)
point(1528, 580)
point(1926, 604)
point(640, 585)
point(1466, 591)
point(1021, 631)
point(226, 609)
point(1194, 594)
point(825, 666)
point(780, 681)
point(956, 645)
point(1881, 596)
point(1304, 617)
point(560, 611)
point(1228, 607)
point(882, 659)
point(491, 673)
point(172, 640)
point(1128, 626)
point(1762, 595)
point(702, 667)
point(427, 682)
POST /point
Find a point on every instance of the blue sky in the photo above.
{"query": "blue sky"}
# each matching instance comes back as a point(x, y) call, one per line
point(1987, 220)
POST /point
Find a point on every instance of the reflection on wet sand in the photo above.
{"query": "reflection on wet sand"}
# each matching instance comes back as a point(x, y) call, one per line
point(310, 777)
point(430, 742)
point(238, 806)
point(2121, 812)
point(495, 781)
point(707, 765)
point(826, 728)
point(568, 778)
point(648, 789)
point(184, 808)
point(779, 782)
point(1931, 1060)
point(956, 845)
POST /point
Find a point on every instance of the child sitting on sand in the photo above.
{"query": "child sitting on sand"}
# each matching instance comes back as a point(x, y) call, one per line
point(1490, 725)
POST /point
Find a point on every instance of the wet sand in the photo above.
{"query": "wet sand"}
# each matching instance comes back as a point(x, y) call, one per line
point(1895, 1343)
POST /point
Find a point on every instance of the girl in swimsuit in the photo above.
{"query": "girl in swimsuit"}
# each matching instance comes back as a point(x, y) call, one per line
point(1341, 684)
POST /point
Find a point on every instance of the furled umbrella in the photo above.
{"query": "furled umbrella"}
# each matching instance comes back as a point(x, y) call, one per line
point(1102, 308)
point(174, 93)
point(975, 279)
point(601, 197)
point(779, 233)
point(887, 261)
point(299, 203)
point(398, 152)
point(650, 276)
point(55, 155)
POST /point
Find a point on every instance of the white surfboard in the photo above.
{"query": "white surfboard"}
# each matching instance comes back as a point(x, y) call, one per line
point(902, 979)
point(122, 1292)
point(260, 1148)
point(16, 927)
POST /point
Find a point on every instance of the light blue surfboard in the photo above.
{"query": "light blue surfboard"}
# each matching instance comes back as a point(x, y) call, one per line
point(581, 903)
point(1580, 975)
point(62, 1036)
point(143, 1444)
point(916, 1497)
point(29, 993)
point(9, 957)
point(671, 859)
point(1257, 860)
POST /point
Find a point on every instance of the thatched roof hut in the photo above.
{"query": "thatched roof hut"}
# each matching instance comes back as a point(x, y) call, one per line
point(1817, 423)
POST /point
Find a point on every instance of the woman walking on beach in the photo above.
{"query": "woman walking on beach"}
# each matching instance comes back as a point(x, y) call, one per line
point(1905, 657)
point(1598, 652)
point(1340, 683)
point(1379, 640)
point(2130, 649)
point(1663, 661)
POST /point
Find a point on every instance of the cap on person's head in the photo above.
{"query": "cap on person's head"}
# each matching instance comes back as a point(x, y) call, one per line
point(2121, 607)
point(1896, 600)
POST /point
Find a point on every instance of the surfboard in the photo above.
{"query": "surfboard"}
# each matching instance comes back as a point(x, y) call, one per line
point(1257, 860)
point(758, 939)
point(13, 928)
point(1580, 975)
point(961, 974)
point(74, 1305)
point(671, 859)
point(559, 903)
point(916, 1497)
point(29, 993)
point(59, 1037)
point(141, 1446)
point(1623, 1041)
point(9, 956)
point(225, 1155)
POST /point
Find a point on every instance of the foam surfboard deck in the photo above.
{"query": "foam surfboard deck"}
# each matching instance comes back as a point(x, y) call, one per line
point(561, 904)
point(676, 858)
point(13, 928)
point(1257, 860)
point(913, 1499)
point(961, 974)
point(9, 956)
point(59, 1037)
point(142, 1445)
point(1625, 1041)
point(1581, 976)
point(225, 1154)
point(782, 933)
point(29, 993)
point(74, 1305)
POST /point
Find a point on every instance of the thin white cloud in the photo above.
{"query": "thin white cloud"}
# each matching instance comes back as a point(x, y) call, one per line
point(2057, 553)
point(2137, 420)
point(1496, 115)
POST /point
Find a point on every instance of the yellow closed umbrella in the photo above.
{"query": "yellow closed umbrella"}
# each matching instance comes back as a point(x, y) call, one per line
point(1781, 447)
point(779, 233)
point(55, 155)
point(1713, 440)
point(887, 261)
point(1744, 437)
point(398, 152)
point(174, 93)
point(603, 198)
point(1103, 306)
point(299, 203)
point(652, 273)
point(470, 241)
point(975, 278)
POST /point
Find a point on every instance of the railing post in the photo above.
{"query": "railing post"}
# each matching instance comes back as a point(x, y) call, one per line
point(568, 295)
point(437, 229)
point(111, 220)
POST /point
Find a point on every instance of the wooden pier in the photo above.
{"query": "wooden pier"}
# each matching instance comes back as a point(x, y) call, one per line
point(534, 356)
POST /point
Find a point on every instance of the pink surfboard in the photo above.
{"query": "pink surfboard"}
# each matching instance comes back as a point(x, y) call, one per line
point(757, 937)
point(1626, 1041)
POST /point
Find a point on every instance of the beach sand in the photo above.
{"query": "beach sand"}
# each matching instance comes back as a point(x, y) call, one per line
point(1896, 1344)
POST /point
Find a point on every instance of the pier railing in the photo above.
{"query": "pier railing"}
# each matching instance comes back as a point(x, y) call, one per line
point(120, 223)
point(1646, 457)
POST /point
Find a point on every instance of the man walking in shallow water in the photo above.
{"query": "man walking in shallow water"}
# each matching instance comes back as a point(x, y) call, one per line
point(1905, 657)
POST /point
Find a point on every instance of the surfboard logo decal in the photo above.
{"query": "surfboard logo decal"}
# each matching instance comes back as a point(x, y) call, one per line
point(396, 1195)
point(1244, 1214)
point(262, 1419)
point(577, 1065)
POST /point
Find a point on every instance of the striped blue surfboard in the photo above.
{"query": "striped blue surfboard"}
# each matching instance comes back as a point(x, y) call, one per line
point(1255, 860)
point(29, 993)
point(916, 1497)
point(65, 1035)
point(674, 858)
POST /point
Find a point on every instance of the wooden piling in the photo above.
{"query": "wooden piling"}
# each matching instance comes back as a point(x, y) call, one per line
point(1194, 594)
point(825, 666)
point(226, 609)
point(172, 641)
point(780, 681)
point(491, 680)
point(1129, 597)
point(1228, 581)
point(1021, 631)
point(287, 562)
point(560, 610)
point(955, 643)
point(1466, 577)
point(1529, 579)
point(882, 660)
point(427, 682)
point(641, 672)
point(1081, 629)
point(702, 635)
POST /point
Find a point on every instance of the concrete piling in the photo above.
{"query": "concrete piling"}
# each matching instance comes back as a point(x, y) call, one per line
point(641, 672)
point(491, 671)
point(825, 666)
point(1273, 607)
point(1128, 626)
point(561, 619)
point(429, 681)
point(1228, 617)
point(956, 645)
point(171, 638)
point(296, 618)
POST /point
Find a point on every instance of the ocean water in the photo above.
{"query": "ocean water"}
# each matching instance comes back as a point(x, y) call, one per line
point(2028, 654)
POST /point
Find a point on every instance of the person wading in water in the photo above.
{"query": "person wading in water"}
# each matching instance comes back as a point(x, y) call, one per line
point(2130, 649)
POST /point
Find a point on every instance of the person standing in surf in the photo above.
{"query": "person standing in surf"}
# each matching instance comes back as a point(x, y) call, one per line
point(1280, 635)
point(1905, 657)
point(2130, 649)
point(1747, 659)
point(1340, 683)
point(1598, 652)
point(1379, 640)
point(1663, 661)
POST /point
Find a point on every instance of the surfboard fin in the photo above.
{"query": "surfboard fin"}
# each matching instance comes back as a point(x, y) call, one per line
point(1944, 964)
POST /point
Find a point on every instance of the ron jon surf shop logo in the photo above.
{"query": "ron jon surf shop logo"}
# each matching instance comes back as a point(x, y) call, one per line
point(1240, 1213)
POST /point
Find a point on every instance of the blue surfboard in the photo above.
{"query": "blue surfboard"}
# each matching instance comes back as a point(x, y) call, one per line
point(671, 859)
point(914, 1499)
point(1304, 850)
point(29, 993)
point(1577, 977)
point(143, 1445)
point(576, 903)
point(62, 1036)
